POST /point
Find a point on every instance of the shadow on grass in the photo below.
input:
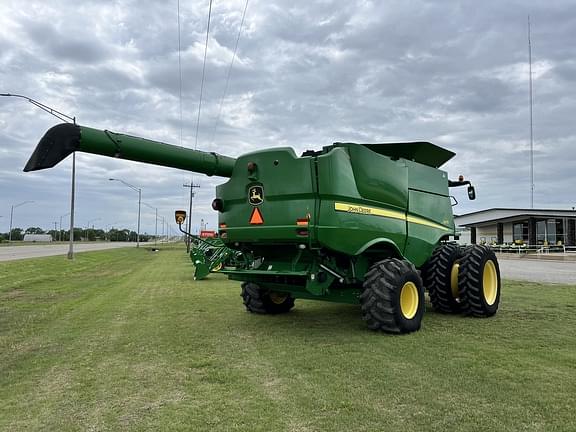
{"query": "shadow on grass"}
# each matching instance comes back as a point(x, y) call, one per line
point(307, 317)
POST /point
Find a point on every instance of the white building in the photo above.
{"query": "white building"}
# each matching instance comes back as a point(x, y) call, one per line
point(521, 226)
point(37, 238)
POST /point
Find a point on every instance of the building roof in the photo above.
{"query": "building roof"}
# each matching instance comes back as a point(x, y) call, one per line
point(508, 214)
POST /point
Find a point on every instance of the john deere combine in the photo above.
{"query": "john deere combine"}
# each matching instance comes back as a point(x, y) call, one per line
point(368, 224)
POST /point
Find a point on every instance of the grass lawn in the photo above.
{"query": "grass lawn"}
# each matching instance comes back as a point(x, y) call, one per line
point(125, 340)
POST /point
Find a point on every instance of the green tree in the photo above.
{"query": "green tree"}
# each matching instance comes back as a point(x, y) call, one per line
point(89, 234)
point(33, 230)
point(113, 234)
point(99, 234)
point(17, 234)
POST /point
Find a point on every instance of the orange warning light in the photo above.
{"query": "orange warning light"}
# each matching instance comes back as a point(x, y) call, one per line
point(302, 222)
point(256, 218)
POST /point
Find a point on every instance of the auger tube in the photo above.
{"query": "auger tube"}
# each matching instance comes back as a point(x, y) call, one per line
point(63, 139)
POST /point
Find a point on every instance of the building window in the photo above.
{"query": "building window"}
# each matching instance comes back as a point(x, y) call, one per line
point(520, 233)
point(550, 232)
point(560, 234)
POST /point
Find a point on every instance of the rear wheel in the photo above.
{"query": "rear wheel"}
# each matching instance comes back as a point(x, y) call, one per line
point(261, 301)
point(479, 281)
point(440, 276)
point(393, 297)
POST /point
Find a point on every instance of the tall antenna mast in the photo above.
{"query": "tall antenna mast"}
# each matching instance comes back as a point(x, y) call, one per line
point(180, 72)
point(531, 121)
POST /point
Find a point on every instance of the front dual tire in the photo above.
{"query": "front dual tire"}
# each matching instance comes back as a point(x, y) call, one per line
point(479, 282)
point(440, 276)
point(465, 280)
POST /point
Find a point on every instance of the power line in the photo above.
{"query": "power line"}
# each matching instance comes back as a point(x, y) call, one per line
point(229, 72)
point(203, 74)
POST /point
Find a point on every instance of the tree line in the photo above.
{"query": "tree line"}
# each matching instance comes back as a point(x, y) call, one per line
point(80, 234)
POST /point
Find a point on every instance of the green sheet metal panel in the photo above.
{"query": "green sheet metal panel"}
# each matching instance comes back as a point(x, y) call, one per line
point(289, 194)
point(352, 185)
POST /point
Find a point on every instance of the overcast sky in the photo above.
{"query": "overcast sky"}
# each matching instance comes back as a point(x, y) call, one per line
point(306, 74)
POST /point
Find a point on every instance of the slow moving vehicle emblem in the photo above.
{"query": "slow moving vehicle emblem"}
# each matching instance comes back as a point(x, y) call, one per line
point(256, 195)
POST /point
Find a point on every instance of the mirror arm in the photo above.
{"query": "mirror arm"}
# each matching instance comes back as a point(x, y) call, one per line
point(452, 183)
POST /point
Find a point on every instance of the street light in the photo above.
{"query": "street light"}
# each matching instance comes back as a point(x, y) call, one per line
point(139, 190)
point(156, 225)
point(163, 223)
point(11, 216)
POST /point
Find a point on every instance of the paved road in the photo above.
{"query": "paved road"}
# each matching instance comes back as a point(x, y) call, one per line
point(10, 253)
point(538, 270)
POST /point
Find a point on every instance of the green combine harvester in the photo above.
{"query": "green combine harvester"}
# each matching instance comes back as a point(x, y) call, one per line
point(366, 224)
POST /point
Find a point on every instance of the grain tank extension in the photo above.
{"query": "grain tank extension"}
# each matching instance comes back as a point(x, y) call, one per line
point(368, 224)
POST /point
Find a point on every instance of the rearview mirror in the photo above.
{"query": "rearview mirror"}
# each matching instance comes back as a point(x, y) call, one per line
point(180, 216)
point(471, 192)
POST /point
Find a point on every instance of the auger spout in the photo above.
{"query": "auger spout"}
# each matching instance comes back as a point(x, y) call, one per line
point(63, 139)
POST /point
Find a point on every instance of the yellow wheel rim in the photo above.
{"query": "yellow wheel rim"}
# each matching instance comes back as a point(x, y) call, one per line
point(490, 282)
point(454, 280)
point(278, 298)
point(217, 267)
point(409, 300)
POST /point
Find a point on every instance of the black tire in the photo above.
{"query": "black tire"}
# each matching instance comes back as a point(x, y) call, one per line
point(440, 277)
point(479, 281)
point(393, 297)
point(261, 301)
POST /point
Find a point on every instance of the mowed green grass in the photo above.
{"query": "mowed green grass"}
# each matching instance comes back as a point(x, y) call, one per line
point(126, 340)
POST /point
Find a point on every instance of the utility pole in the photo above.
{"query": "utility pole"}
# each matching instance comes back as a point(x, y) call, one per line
point(191, 186)
point(60, 233)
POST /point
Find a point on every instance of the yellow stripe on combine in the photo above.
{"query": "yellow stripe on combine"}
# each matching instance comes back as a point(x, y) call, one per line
point(420, 221)
point(373, 211)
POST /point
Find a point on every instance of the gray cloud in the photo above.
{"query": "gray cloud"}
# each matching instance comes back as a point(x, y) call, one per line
point(307, 74)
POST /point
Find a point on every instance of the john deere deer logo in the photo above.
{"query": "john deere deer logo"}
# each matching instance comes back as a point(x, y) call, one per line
point(256, 195)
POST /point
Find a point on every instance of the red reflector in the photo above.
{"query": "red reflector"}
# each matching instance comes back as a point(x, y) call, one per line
point(223, 226)
point(302, 222)
point(256, 218)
